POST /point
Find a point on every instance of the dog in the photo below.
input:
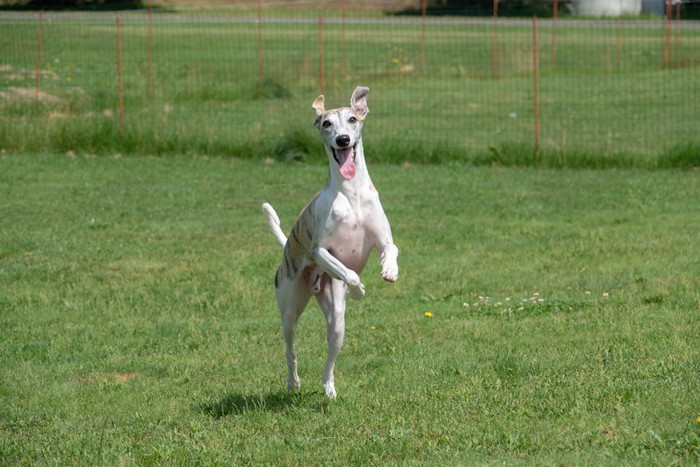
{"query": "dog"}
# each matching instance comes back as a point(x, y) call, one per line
point(331, 240)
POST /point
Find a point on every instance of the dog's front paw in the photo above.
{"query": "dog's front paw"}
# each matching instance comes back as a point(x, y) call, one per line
point(390, 267)
point(390, 273)
point(357, 292)
point(355, 286)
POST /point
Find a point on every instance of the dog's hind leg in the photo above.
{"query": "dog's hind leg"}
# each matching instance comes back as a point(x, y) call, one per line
point(331, 299)
point(292, 297)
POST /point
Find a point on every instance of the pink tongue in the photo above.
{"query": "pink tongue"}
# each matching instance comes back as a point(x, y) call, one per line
point(347, 164)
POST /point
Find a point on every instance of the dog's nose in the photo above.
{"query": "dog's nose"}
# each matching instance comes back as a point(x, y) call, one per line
point(342, 140)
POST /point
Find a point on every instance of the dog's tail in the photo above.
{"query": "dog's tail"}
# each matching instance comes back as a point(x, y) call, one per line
point(274, 222)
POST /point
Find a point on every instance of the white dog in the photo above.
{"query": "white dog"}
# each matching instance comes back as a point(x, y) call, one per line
point(331, 239)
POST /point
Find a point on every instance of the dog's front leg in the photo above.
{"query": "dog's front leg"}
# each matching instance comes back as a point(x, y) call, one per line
point(331, 265)
point(389, 259)
point(384, 243)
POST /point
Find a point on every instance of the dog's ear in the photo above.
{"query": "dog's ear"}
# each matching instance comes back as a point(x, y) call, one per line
point(358, 101)
point(318, 105)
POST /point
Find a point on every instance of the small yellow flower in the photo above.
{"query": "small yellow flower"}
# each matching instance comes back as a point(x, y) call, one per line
point(428, 314)
point(697, 419)
point(373, 328)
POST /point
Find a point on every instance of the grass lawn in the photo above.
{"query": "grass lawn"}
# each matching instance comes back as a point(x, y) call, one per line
point(139, 324)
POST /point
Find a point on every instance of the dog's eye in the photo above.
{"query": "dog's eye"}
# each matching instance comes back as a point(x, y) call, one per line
point(352, 120)
point(326, 124)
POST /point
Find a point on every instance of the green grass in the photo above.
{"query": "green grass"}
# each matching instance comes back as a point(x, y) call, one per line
point(598, 107)
point(139, 323)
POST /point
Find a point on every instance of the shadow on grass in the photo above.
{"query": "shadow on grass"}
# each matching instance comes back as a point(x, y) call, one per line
point(281, 401)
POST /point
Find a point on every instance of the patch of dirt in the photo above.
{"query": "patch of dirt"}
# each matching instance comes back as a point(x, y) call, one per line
point(115, 377)
point(14, 94)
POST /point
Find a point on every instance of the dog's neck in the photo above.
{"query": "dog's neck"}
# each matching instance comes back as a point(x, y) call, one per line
point(361, 179)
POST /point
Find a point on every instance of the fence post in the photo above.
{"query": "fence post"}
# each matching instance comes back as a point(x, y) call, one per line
point(37, 73)
point(667, 33)
point(677, 48)
point(424, 14)
point(555, 16)
point(343, 7)
point(119, 79)
point(149, 55)
point(261, 64)
point(320, 53)
point(494, 41)
point(535, 75)
point(619, 37)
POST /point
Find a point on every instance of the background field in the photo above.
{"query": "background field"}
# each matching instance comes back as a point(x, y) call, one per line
point(215, 82)
point(137, 311)
point(139, 324)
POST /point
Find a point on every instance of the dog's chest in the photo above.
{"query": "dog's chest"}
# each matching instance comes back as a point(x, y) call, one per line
point(347, 233)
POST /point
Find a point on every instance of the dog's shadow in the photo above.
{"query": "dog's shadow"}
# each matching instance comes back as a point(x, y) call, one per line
point(277, 402)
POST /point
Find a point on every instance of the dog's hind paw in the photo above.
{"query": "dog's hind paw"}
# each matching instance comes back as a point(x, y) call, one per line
point(293, 385)
point(329, 387)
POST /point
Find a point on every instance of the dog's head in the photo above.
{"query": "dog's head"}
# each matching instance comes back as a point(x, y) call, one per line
point(341, 130)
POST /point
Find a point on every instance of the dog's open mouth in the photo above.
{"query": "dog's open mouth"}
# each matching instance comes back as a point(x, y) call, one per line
point(345, 157)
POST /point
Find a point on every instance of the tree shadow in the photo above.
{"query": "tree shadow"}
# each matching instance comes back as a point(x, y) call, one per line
point(281, 401)
point(484, 8)
point(73, 5)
